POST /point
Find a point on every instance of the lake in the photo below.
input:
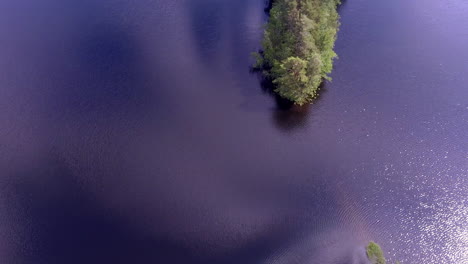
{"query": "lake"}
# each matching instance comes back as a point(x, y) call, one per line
point(135, 132)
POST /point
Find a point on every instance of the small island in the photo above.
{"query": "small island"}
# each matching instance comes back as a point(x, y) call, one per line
point(298, 46)
point(375, 254)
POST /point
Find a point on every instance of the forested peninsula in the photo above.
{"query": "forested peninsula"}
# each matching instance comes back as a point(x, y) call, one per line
point(297, 50)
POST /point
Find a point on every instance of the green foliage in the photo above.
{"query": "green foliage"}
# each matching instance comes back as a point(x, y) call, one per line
point(258, 60)
point(298, 46)
point(291, 78)
point(375, 253)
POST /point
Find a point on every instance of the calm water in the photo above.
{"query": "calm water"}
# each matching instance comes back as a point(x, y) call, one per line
point(133, 132)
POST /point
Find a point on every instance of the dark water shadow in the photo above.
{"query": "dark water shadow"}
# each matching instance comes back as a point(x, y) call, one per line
point(341, 5)
point(205, 18)
point(100, 67)
point(291, 119)
point(286, 115)
point(61, 222)
point(111, 70)
point(268, 6)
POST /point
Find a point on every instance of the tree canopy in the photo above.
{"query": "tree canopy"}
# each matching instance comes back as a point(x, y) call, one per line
point(298, 46)
point(375, 253)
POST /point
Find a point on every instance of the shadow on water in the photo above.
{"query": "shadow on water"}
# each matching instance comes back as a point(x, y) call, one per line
point(286, 115)
point(59, 220)
point(111, 66)
point(100, 67)
point(341, 5)
point(293, 118)
point(206, 25)
point(62, 223)
point(268, 6)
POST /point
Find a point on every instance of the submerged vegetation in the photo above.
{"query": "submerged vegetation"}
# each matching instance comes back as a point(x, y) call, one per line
point(298, 47)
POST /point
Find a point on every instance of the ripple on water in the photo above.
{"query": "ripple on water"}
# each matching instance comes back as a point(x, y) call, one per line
point(420, 210)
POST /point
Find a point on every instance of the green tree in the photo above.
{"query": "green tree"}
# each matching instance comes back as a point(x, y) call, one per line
point(298, 46)
point(292, 79)
point(375, 253)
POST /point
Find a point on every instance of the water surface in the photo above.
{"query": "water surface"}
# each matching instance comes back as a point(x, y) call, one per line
point(134, 132)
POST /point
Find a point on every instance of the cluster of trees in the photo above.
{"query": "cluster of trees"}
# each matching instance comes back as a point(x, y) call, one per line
point(375, 254)
point(298, 46)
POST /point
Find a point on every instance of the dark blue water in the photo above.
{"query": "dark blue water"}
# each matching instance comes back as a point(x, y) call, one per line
point(134, 132)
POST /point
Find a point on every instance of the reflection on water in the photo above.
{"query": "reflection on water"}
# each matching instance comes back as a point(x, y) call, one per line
point(206, 21)
point(134, 132)
point(291, 117)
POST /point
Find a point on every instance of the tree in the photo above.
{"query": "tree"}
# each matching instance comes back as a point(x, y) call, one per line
point(375, 253)
point(298, 46)
point(292, 79)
